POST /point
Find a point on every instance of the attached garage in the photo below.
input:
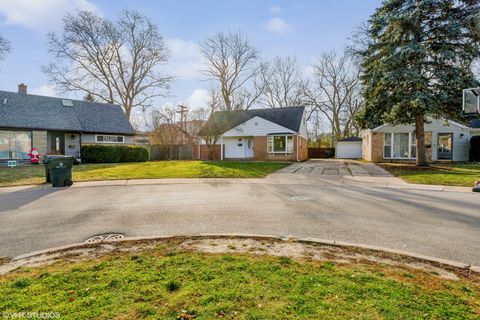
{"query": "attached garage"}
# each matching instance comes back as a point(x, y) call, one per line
point(349, 148)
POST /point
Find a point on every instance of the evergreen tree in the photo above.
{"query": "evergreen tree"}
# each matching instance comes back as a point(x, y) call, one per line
point(89, 97)
point(416, 58)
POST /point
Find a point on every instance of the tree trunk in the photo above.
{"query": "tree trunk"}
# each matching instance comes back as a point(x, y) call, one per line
point(420, 129)
point(128, 111)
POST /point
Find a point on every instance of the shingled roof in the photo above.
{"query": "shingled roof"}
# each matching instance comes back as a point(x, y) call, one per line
point(222, 121)
point(28, 111)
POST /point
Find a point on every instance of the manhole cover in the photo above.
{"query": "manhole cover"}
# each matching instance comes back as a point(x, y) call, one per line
point(300, 198)
point(104, 237)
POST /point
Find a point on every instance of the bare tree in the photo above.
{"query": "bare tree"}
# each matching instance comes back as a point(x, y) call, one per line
point(160, 125)
point(334, 92)
point(210, 135)
point(282, 83)
point(200, 114)
point(4, 47)
point(113, 61)
point(232, 64)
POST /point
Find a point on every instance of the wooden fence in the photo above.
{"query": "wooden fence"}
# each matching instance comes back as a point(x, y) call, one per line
point(171, 152)
point(321, 153)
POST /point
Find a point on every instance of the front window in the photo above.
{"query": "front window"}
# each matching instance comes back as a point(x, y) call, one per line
point(15, 144)
point(400, 145)
point(280, 144)
point(109, 139)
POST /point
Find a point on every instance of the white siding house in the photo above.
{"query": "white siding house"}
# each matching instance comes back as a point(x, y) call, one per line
point(261, 134)
point(444, 139)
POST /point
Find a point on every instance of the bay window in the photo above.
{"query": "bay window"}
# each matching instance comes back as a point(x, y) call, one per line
point(280, 144)
point(400, 145)
point(15, 144)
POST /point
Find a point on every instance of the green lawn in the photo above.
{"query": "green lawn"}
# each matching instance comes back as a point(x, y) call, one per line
point(162, 283)
point(440, 174)
point(146, 170)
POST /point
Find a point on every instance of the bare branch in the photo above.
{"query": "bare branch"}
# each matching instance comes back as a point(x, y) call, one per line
point(113, 61)
point(335, 92)
point(4, 47)
point(281, 83)
point(232, 64)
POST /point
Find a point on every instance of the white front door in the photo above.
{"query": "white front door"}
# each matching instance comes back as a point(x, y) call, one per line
point(238, 147)
point(248, 147)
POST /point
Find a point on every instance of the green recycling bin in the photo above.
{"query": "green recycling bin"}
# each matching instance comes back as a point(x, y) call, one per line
point(58, 170)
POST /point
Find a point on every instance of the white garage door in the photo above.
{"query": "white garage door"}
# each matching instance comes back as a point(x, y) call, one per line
point(349, 150)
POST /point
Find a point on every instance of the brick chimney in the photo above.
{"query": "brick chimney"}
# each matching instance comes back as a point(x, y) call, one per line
point(22, 88)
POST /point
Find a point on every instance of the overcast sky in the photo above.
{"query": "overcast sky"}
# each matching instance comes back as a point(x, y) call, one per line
point(301, 28)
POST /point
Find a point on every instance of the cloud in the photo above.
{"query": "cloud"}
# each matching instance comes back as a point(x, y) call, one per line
point(41, 15)
point(274, 10)
point(278, 25)
point(43, 90)
point(198, 98)
point(186, 59)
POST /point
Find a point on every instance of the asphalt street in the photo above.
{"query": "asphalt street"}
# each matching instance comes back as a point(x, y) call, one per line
point(320, 199)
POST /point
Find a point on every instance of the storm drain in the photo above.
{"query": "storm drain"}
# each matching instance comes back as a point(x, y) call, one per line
point(105, 237)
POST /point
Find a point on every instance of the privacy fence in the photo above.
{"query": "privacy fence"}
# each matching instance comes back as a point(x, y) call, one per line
point(321, 153)
point(171, 152)
point(184, 152)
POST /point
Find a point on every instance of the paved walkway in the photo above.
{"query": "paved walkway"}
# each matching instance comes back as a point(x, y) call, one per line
point(316, 199)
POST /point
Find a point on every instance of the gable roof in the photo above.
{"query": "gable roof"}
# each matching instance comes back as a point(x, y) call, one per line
point(222, 121)
point(350, 139)
point(29, 111)
point(429, 120)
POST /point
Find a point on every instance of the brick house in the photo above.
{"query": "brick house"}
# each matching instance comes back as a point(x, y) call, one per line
point(259, 134)
point(57, 126)
point(445, 140)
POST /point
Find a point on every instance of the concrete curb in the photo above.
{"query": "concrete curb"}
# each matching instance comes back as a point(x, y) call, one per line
point(407, 254)
point(145, 182)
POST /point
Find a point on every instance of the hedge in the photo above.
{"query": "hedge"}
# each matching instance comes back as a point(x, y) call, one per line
point(475, 148)
point(110, 154)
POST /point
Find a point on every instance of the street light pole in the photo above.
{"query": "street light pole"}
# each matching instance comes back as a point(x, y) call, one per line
point(182, 111)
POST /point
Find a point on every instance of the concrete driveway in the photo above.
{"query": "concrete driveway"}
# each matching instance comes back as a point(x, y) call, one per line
point(336, 200)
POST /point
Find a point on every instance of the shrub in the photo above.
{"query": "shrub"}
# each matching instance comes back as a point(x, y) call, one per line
point(111, 154)
point(475, 148)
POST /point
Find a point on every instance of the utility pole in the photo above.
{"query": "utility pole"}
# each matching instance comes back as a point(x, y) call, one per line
point(182, 111)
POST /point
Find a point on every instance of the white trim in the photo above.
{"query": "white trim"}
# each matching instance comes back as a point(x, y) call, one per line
point(284, 152)
point(297, 146)
point(109, 135)
point(459, 124)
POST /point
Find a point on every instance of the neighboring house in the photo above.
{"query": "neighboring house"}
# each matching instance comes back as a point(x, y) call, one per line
point(260, 134)
point(444, 140)
point(57, 126)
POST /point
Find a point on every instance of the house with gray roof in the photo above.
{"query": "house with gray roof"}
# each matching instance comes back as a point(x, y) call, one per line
point(56, 125)
point(259, 134)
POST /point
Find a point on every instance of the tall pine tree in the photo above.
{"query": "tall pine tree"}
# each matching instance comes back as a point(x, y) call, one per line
point(416, 58)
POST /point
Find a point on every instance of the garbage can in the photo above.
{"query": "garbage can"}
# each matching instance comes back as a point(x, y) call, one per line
point(58, 170)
